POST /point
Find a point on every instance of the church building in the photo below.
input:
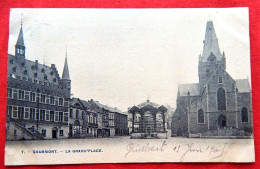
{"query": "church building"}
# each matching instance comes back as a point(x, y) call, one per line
point(218, 106)
point(37, 97)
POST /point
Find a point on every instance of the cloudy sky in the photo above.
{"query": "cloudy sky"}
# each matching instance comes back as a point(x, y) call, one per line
point(120, 56)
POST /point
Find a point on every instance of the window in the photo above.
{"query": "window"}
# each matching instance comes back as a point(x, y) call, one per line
point(83, 115)
point(32, 113)
point(66, 103)
point(71, 113)
point(27, 96)
point(207, 73)
point(26, 112)
point(56, 101)
point(15, 93)
point(61, 132)
point(20, 112)
point(51, 115)
point(77, 114)
point(91, 119)
point(44, 132)
point(52, 100)
point(15, 112)
point(88, 118)
point(9, 110)
point(56, 116)
point(21, 95)
point(47, 99)
point(42, 114)
point(200, 116)
point(47, 117)
point(221, 99)
point(9, 93)
point(244, 115)
point(60, 101)
point(66, 117)
point(33, 97)
point(43, 98)
point(37, 116)
point(60, 116)
point(220, 80)
point(15, 133)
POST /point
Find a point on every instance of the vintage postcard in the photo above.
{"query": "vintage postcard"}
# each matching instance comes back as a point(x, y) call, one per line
point(128, 86)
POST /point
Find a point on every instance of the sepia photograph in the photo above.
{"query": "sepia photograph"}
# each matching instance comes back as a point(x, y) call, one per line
point(128, 86)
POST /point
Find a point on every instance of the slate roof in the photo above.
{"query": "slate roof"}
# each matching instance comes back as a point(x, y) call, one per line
point(243, 85)
point(20, 40)
point(148, 103)
point(108, 108)
point(32, 70)
point(192, 88)
point(65, 74)
point(211, 43)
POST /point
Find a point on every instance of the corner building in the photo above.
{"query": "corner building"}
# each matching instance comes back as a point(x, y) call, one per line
point(217, 106)
point(37, 98)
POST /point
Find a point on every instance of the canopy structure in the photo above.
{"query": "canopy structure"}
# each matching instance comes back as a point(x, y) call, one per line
point(148, 118)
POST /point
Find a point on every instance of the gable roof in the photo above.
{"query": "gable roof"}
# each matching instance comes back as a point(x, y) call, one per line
point(243, 85)
point(192, 88)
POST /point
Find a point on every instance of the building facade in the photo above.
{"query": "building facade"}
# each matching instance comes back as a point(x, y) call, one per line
point(82, 119)
point(37, 98)
point(112, 122)
point(217, 106)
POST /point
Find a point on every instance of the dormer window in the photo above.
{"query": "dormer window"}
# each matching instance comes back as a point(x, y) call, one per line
point(43, 70)
point(51, 73)
point(33, 67)
point(220, 80)
point(11, 61)
point(45, 77)
point(54, 80)
point(207, 72)
point(35, 74)
point(14, 69)
point(22, 64)
point(25, 72)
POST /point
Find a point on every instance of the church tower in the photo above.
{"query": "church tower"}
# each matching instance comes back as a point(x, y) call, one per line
point(211, 59)
point(20, 47)
point(65, 81)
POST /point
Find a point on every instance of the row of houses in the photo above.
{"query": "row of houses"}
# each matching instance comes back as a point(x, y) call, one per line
point(39, 104)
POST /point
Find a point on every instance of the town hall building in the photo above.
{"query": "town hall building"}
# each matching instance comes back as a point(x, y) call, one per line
point(217, 106)
point(37, 97)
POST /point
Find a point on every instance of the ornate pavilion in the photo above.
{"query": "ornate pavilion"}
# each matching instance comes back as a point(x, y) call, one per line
point(148, 120)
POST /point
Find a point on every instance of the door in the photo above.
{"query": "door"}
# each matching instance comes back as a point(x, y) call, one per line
point(54, 133)
point(222, 122)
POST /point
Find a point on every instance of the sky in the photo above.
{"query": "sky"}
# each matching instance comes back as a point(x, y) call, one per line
point(120, 57)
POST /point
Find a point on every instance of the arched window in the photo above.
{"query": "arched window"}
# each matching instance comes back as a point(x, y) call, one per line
point(200, 116)
point(221, 98)
point(244, 115)
point(207, 73)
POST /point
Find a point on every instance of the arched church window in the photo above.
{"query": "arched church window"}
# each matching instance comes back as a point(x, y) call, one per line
point(244, 114)
point(220, 80)
point(221, 99)
point(200, 116)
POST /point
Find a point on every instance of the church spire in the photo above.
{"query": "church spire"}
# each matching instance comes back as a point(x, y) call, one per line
point(20, 47)
point(211, 42)
point(65, 74)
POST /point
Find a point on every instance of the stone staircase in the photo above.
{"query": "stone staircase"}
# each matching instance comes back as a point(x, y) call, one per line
point(34, 134)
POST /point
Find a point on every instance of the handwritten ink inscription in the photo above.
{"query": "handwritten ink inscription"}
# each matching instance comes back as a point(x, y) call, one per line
point(180, 150)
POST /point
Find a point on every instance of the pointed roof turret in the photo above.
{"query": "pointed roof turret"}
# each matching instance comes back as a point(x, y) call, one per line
point(20, 40)
point(211, 45)
point(65, 74)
